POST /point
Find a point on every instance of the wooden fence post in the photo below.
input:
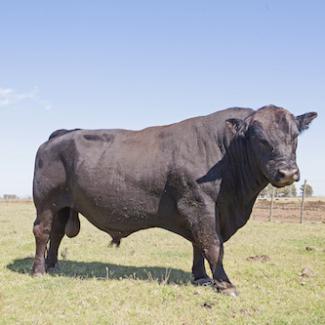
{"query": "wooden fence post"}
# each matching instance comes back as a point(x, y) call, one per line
point(271, 205)
point(303, 194)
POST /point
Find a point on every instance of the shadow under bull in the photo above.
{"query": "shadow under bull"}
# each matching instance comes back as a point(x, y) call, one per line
point(102, 271)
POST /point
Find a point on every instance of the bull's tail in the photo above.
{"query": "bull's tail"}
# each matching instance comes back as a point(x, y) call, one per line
point(72, 224)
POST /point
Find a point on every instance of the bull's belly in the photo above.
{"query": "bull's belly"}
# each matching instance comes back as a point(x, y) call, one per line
point(118, 214)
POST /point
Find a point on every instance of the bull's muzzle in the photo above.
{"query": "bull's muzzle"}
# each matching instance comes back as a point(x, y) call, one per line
point(287, 176)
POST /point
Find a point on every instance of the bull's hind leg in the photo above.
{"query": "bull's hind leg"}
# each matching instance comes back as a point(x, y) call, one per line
point(41, 230)
point(66, 222)
point(56, 236)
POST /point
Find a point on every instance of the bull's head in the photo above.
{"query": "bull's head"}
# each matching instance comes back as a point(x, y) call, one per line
point(272, 134)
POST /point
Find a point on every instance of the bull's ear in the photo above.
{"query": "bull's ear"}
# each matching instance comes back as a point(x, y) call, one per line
point(304, 120)
point(236, 126)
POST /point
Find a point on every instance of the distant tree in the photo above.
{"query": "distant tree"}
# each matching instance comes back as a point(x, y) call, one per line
point(309, 190)
point(10, 197)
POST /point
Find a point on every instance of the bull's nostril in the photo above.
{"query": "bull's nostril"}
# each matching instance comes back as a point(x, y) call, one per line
point(283, 173)
point(289, 174)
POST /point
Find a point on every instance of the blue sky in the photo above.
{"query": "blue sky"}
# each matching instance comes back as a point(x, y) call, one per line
point(131, 64)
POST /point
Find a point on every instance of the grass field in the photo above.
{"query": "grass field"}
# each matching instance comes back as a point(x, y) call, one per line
point(147, 280)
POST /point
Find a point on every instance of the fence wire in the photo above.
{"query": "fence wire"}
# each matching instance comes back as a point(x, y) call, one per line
point(290, 210)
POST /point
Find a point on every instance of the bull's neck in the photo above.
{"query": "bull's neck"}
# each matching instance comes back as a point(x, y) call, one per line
point(243, 176)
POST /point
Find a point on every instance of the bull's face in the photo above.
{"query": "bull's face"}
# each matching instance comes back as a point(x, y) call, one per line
point(272, 134)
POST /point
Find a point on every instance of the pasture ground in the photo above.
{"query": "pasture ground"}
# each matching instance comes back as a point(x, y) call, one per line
point(147, 280)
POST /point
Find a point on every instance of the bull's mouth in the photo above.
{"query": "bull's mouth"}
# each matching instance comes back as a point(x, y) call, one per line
point(285, 177)
point(280, 184)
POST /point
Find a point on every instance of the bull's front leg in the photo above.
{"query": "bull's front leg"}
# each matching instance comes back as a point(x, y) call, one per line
point(197, 210)
point(213, 252)
point(206, 242)
point(199, 274)
point(207, 238)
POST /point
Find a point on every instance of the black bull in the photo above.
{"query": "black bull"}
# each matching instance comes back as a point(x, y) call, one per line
point(198, 178)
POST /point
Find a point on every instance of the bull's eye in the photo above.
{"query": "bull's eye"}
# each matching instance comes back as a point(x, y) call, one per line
point(266, 144)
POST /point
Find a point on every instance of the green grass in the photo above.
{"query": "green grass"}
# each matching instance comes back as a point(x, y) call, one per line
point(147, 280)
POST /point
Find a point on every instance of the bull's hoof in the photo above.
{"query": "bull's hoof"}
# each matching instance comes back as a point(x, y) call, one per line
point(53, 268)
point(38, 269)
point(51, 264)
point(36, 273)
point(226, 288)
point(204, 282)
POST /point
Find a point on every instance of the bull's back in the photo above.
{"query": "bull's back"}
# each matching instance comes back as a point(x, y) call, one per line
point(142, 159)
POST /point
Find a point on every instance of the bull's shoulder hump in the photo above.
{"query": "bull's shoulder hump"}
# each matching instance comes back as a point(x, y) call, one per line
point(237, 112)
